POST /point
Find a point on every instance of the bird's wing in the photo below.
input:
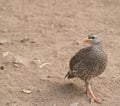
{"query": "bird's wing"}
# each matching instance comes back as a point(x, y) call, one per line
point(78, 58)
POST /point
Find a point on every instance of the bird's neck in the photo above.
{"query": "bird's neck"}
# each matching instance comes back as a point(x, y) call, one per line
point(97, 46)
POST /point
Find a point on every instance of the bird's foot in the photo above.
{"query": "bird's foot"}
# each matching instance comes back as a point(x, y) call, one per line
point(92, 97)
point(97, 100)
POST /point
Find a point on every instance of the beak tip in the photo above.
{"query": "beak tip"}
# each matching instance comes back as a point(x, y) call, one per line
point(85, 41)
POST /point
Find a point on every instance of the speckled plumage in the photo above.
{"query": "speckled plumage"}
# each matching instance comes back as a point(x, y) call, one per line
point(88, 62)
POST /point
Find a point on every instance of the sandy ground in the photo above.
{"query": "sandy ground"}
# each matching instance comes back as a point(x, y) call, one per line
point(37, 40)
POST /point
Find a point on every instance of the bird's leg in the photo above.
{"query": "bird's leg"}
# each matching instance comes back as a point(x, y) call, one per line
point(90, 93)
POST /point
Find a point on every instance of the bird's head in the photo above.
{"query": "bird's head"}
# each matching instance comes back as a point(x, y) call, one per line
point(92, 39)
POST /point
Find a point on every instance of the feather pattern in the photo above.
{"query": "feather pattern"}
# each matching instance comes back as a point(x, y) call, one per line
point(88, 62)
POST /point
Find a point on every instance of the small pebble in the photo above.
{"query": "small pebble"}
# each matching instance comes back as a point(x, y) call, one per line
point(77, 42)
point(15, 65)
point(24, 40)
point(2, 67)
point(48, 76)
point(26, 91)
point(3, 41)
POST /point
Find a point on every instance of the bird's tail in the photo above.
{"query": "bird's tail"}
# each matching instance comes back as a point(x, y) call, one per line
point(69, 75)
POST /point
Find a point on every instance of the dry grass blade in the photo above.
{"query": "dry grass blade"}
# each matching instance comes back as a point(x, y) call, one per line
point(44, 64)
point(26, 91)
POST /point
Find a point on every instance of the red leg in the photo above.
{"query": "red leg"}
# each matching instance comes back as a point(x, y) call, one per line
point(91, 94)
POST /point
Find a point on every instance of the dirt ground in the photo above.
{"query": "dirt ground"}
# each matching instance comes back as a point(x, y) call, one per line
point(37, 40)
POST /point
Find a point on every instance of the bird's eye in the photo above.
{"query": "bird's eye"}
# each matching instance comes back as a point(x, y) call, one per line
point(93, 37)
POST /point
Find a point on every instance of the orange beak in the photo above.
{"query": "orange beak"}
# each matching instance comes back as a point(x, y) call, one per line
point(86, 40)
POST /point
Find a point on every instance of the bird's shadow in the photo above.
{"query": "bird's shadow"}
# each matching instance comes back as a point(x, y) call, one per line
point(69, 89)
point(61, 92)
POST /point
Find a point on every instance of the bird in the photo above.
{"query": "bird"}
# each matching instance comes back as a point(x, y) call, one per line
point(87, 63)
